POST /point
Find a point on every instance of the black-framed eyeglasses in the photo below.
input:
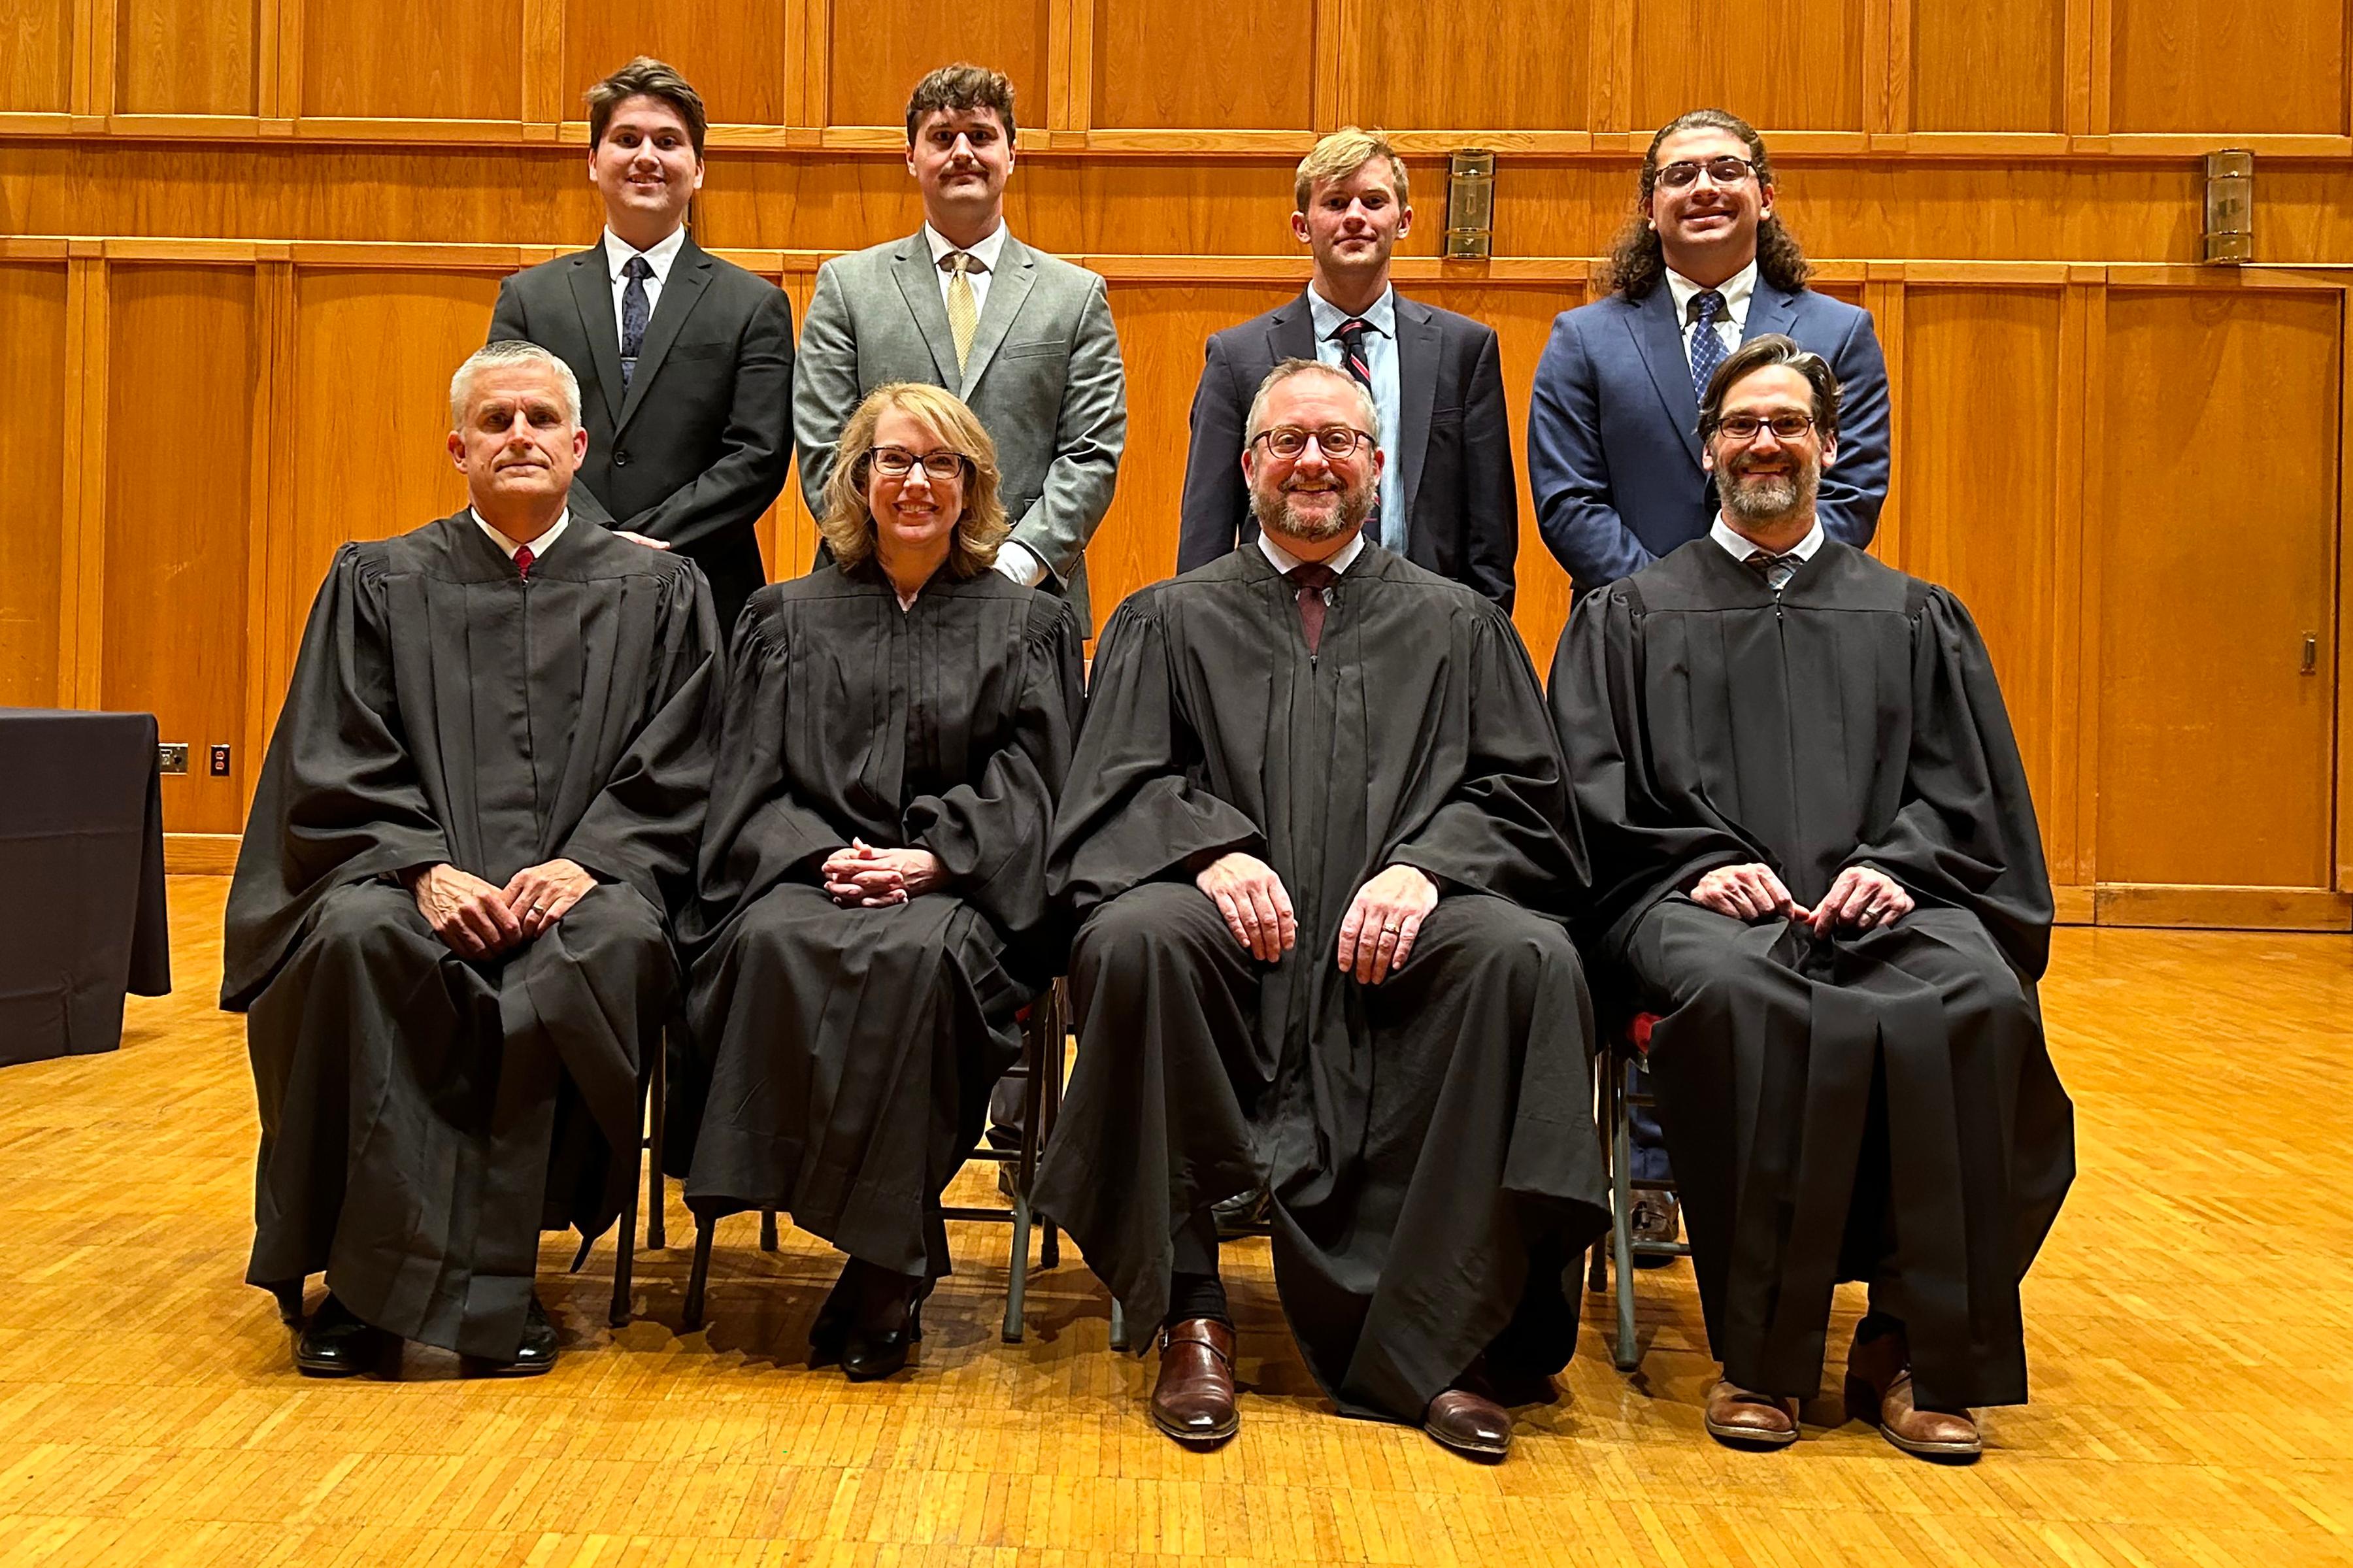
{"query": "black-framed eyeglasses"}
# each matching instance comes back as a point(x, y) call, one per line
point(1333, 440)
point(1786, 427)
point(1724, 171)
point(897, 462)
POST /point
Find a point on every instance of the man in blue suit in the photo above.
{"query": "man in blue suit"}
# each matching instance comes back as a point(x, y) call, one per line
point(1703, 266)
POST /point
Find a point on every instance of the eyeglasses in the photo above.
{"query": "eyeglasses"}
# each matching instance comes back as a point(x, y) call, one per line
point(1724, 171)
point(1333, 440)
point(897, 462)
point(1743, 427)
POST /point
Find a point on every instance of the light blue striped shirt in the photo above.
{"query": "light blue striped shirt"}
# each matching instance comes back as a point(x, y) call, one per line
point(1381, 359)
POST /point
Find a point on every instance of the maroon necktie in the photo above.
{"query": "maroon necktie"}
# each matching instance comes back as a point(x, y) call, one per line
point(522, 560)
point(1310, 581)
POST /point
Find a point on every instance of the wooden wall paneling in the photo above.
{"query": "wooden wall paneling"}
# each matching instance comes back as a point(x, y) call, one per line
point(2222, 432)
point(186, 57)
point(1610, 110)
point(1988, 64)
point(2090, 54)
point(1439, 65)
point(1189, 67)
point(1887, 72)
point(37, 50)
point(366, 60)
point(1985, 368)
point(880, 48)
point(1783, 65)
point(33, 475)
point(2344, 575)
point(269, 595)
point(2213, 66)
point(373, 352)
point(2065, 845)
point(90, 96)
point(540, 85)
point(742, 56)
point(1885, 298)
point(83, 561)
point(178, 451)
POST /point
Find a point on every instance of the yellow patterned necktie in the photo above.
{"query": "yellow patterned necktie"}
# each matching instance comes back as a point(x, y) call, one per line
point(964, 315)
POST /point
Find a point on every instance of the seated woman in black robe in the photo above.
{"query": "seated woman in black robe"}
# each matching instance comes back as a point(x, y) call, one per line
point(873, 913)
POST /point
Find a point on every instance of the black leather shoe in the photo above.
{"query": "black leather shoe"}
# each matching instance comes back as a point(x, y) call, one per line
point(873, 1350)
point(829, 1335)
point(338, 1345)
point(534, 1356)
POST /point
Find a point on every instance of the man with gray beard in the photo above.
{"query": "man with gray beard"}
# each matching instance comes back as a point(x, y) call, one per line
point(1315, 827)
point(1815, 858)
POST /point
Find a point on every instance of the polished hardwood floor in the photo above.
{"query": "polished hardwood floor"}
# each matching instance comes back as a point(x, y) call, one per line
point(2184, 1324)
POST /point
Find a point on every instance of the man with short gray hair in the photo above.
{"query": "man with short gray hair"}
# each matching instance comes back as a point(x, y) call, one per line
point(1313, 833)
point(449, 927)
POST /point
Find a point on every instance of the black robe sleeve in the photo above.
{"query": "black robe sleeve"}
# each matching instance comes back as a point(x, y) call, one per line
point(1965, 836)
point(339, 801)
point(643, 826)
point(990, 834)
point(1641, 848)
point(1136, 808)
point(1509, 826)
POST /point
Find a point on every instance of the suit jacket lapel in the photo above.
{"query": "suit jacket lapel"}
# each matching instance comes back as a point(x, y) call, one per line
point(1292, 334)
point(1417, 349)
point(592, 292)
point(690, 275)
point(919, 285)
point(1770, 309)
point(1661, 340)
point(1017, 273)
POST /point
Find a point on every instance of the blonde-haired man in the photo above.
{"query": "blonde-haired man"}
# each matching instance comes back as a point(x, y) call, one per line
point(1448, 499)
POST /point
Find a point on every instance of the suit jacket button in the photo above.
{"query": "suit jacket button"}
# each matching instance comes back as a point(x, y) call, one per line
point(620, 459)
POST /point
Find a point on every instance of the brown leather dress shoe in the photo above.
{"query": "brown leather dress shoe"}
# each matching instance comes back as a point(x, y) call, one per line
point(1193, 1398)
point(1749, 1420)
point(1469, 1423)
point(1879, 1389)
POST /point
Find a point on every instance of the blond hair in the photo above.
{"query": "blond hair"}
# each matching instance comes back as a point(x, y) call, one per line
point(848, 526)
point(1341, 154)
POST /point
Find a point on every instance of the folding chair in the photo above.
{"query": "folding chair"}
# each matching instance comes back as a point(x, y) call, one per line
point(1617, 1101)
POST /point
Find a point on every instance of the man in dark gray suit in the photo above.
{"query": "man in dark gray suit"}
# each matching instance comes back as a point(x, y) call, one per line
point(1449, 500)
point(685, 362)
point(1025, 339)
point(1703, 266)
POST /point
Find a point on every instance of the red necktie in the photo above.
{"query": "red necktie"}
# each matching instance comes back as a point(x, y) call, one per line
point(522, 560)
point(1311, 580)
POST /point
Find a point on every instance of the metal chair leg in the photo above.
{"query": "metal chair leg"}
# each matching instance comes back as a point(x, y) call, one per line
point(767, 1230)
point(1622, 1214)
point(700, 1275)
point(1049, 1246)
point(1017, 1276)
point(625, 1257)
point(1118, 1325)
point(657, 1109)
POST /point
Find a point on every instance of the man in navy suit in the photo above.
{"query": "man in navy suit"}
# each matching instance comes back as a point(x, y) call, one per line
point(1449, 498)
point(1704, 266)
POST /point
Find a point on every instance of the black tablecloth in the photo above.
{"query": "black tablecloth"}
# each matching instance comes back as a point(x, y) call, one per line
point(81, 879)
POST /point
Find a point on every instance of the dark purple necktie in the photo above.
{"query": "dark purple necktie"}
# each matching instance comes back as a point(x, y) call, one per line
point(1308, 582)
point(636, 310)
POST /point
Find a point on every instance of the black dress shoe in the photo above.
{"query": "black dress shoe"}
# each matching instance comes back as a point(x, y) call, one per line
point(338, 1345)
point(890, 1320)
point(829, 1335)
point(534, 1356)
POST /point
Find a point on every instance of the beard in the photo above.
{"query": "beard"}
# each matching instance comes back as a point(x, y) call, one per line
point(1272, 505)
point(1765, 498)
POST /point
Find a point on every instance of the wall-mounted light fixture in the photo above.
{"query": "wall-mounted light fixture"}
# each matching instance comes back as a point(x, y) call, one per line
point(2230, 206)
point(1471, 204)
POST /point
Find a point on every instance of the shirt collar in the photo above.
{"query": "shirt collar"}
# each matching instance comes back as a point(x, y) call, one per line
point(1283, 561)
point(539, 547)
point(1737, 290)
point(660, 256)
point(1741, 549)
point(1381, 315)
point(985, 251)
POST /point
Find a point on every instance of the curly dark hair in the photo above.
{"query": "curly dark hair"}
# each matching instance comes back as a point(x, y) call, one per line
point(1638, 263)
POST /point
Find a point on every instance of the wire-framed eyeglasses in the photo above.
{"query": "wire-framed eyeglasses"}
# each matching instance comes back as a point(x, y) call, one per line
point(897, 462)
point(1333, 440)
point(1724, 171)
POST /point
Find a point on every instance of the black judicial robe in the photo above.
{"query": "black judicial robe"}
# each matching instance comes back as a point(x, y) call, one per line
point(1822, 1097)
point(424, 1115)
point(1421, 1140)
point(844, 1056)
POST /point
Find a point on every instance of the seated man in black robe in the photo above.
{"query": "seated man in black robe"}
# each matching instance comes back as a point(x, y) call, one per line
point(897, 726)
point(1814, 856)
point(1314, 790)
point(448, 925)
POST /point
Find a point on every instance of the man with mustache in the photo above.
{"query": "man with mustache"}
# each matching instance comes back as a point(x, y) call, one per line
point(449, 927)
point(1313, 833)
point(1815, 858)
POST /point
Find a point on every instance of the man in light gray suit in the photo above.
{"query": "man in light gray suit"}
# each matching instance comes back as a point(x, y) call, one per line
point(1026, 339)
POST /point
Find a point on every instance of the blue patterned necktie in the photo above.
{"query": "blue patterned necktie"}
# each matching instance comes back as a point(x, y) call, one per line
point(1776, 569)
point(1707, 348)
point(635, 312)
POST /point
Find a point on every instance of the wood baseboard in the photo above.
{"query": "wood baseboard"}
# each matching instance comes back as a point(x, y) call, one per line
point(200, 853)
point(2222, 908)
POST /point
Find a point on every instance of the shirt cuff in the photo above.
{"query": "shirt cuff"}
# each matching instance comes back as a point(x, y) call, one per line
point(1021, 562)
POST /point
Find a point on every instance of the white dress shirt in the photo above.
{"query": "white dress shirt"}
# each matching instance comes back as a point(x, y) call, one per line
point(986, 253)
point(1736, 290)
point(539, 547)
point(663, 254)
point(1283, 560)
point(1741, 548)
point(1381, 359)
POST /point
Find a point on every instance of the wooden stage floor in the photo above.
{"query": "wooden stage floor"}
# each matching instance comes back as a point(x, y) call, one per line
point(2180, 1323)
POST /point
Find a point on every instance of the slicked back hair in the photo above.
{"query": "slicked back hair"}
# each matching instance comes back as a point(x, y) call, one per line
point(1638, 259)
point(1763, 353)
point(961, 85)
point(646, 77)
point(505, 352)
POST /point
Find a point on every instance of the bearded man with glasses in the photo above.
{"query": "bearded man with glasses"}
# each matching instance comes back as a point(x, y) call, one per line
point(1703, 265)
point(1315, 827)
